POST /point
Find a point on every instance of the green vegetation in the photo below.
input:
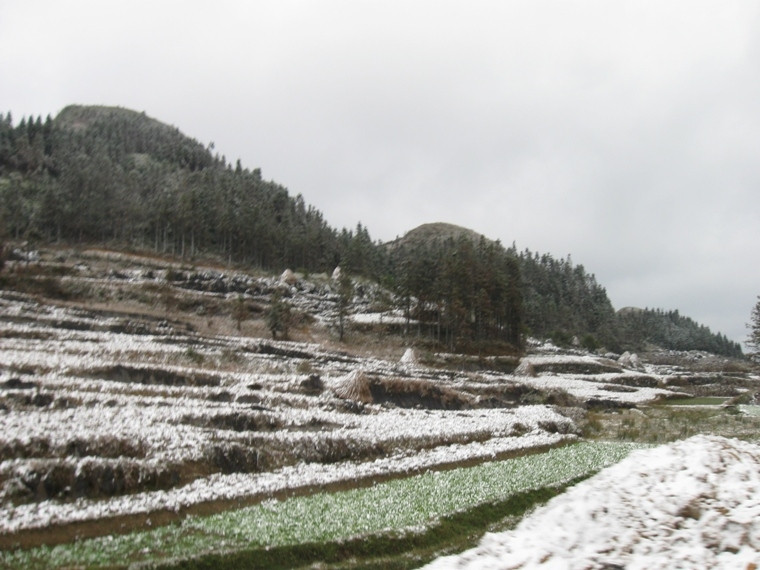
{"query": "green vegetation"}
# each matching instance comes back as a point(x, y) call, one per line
point(464, 291)
point(563, 301)
point(279, 316)
point(345, 294)
point(705, 401)
point(752, 411)
point(424, 513)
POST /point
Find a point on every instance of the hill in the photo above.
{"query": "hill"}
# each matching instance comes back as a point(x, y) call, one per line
point(458, 286)
point(126, 134)
point(554, 298)
point(106, 175)
point(101, 175)
point(669, 329)
point(434, 232)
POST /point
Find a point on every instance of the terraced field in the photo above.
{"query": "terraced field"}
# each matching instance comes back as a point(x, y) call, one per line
point(420, 516)
point(145, 415)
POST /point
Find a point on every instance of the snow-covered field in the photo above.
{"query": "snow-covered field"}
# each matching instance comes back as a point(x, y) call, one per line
point(592, 379)
point(96, 422)
point(105, 415)
point(690, 504)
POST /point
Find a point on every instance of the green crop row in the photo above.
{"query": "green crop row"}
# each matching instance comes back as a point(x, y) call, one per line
point(404, 506)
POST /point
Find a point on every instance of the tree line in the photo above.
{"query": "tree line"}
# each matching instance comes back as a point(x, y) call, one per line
point(673, 331)
point(565, 303)
point(115, 176)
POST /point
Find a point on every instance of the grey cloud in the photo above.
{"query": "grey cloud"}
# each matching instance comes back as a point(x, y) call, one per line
point(623, 133)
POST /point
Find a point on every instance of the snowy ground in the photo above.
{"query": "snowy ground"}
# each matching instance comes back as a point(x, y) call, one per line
point(105, 414)
point(99, 422)
point(690, 504)
point(591, 378)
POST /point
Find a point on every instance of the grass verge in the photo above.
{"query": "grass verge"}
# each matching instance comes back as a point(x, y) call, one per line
point(699, 401)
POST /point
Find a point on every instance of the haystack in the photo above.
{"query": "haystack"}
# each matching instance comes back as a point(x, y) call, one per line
point(526, 368)
point(288, 277)
point(353, 386)
point(409, 357)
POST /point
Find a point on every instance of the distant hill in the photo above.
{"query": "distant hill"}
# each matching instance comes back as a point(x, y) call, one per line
point(668, 329)
point(459, 287)
point(427, 234)
point(558, 299)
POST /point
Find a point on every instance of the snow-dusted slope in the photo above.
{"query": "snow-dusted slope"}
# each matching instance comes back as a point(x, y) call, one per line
point(103, 417)
point(690, 504)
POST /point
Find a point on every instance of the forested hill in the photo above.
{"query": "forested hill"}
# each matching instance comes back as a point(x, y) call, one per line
point(453, 270)
point(108, 175)
point(111, 175)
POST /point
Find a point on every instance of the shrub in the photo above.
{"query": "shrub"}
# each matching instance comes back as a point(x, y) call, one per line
point(589, 342)
point(562, 338)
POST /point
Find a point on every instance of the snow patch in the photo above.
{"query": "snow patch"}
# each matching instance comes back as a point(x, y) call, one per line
point(690, 504)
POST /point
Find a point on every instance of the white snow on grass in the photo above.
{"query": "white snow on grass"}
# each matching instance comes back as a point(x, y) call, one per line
point(401, 507)
point(689, 504)
point(586, 389)
point(145, 401)
point(78, 400)
point(389, 318)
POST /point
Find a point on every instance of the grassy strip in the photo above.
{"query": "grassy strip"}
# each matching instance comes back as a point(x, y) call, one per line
point(453, 533)
point(751, 411)
point(321, 525)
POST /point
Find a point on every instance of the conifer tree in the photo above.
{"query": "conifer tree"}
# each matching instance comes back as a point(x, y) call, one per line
point(278, 317)
point(754, 326)
point(345, 294)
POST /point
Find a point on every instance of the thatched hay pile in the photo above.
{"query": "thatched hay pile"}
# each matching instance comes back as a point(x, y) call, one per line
point(526, 368)
point(409, 357)
point(353, 386)
point(628, 360)
point(288, 277)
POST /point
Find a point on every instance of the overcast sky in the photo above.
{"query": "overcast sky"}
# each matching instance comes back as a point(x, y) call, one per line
point(624, 133)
